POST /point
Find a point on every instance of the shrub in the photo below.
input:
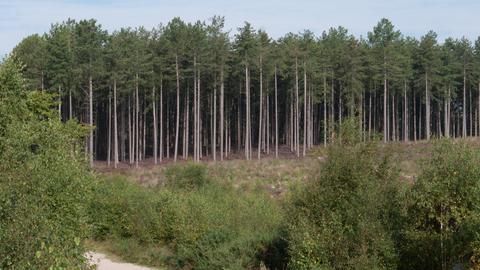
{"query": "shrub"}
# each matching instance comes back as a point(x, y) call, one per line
point(187, 176)
point(43, 182)
point(343, 217)
point(442, 218)
point(211, 226)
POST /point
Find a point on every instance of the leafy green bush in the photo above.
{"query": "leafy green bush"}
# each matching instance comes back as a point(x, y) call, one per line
point(442, 221)
point(187, 176)
point(343, 217)
point(211, 226)
point(43, 182)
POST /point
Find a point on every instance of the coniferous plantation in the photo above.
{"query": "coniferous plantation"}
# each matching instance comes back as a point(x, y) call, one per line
point(381, 172)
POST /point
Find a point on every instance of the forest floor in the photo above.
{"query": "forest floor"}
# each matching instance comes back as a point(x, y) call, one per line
point(273, 174)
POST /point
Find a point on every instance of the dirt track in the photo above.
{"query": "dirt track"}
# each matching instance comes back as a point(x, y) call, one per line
point(106, 264)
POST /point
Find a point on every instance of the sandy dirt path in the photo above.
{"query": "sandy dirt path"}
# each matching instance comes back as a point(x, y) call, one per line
point(106, 264)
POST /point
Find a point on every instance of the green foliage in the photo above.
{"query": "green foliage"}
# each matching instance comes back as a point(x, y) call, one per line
point(42, 184)
point(186, 177)
point(211, 226)
point(442, 218)
point(343, 218)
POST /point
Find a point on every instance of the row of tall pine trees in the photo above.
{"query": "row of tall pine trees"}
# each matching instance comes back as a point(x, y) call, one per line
point(191, 90)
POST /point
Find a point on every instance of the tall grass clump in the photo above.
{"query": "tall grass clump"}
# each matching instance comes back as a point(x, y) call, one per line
point(345, 216)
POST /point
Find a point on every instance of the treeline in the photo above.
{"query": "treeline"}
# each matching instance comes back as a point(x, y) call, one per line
point(192, 90)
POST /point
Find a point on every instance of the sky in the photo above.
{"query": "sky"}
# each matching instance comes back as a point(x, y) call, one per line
point(448, 18)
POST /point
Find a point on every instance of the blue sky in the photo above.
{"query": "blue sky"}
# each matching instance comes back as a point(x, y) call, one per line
point(448, 18)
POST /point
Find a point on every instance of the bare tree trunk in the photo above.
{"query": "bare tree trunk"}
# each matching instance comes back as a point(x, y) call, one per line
point(161, 117)
point(427, 108)
point(324, 110)
point(385, 130)
point(247, 135)
point(214, 133)
point(115, 125)
point(414, 116)
point(154, 111)
point(297, 119)
point(187, 123)
point(130, 152)
point(222, 109)
point(122, 121)
point(178, 108)
point(393, 120)
point(239, 129)
point(470, 108)
point(268, 123)
point(70, 101)
point(60, 102)
point(144, 124)
point(91, 119)
point(195, 115)
point(109, 128)
point(291, 122)
point(276, 114)
point(304, 107)
point(405, 117)
point(261, 108)
point(199, 113)
point(370, 116)
point(137, 129)
point(464, 119)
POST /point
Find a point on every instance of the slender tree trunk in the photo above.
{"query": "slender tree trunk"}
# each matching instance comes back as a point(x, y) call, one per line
point(470, 108)
point(178, 108)
point(137, 128)
point(161, 117)
point(187, 123)
point(91, 119)
point(385, 130)
point(109, 128)
point(427, 108)
point(199, 118)
point(130, 152)
point(291, 122)
point(222, 109)
point(268, 123)
point(464, 119)
point(154, 112)
point(261, 108)
point(123, 131)
point(214, 133)
point(70, 104)
point(276, 114)
point(393, 120)
point(144, 124)
point(59, 101)
point(324, 110)
point(370, 115)
point(195, 115)
point(115, 126)
point(405, 113)
point(414, 116)
point(304, 107)
point(247, 135)
point(239, 113)
point(297, 119)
